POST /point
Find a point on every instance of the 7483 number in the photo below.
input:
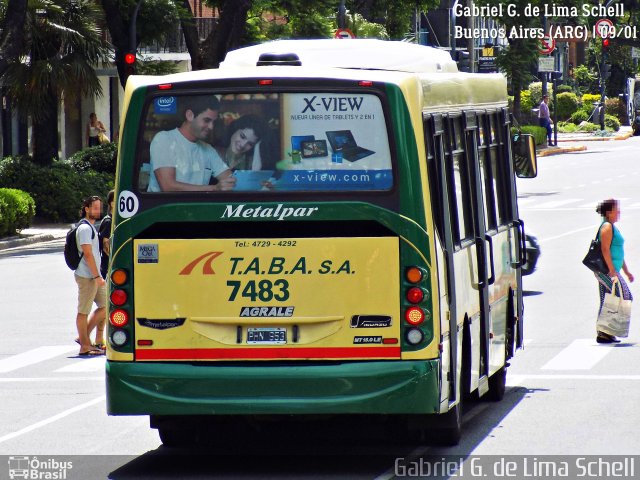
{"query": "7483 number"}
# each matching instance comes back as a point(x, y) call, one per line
point(264, 290)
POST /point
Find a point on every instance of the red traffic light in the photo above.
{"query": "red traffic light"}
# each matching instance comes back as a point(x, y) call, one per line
point(605, 42)
point(129, 58)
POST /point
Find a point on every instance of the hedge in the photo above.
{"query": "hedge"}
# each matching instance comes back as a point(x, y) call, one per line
point(17, 209)
point(57, 189)
point(539, 133)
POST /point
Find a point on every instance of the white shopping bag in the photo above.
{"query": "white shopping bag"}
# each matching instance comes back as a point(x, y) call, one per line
point(615, 315)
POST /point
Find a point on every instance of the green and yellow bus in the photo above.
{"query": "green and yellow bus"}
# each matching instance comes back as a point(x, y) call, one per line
point(364, 260)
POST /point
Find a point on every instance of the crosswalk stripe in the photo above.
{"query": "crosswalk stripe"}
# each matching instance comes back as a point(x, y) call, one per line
point(581, 354)
point(94, 364)
point(33, 356)
point(558, 203)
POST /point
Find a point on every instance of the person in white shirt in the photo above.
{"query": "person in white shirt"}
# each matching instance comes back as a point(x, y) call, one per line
point(182, 160)
point(544, 118)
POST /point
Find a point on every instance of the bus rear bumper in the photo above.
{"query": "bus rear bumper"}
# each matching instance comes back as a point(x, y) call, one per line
point(378, 387)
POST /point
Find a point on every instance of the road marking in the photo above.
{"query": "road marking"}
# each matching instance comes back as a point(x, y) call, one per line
point(516, 380)
point(558, 203)
point(570, 232)
point(33, 356)
point(581, 354)
point(50, 379)
point(56, 417)
point(95, 364)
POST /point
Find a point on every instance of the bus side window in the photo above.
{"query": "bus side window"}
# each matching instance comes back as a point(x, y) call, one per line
point(487, 171)
point(500, 172)
point(458, 179)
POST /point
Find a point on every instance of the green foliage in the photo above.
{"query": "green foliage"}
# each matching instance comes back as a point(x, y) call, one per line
point(589, 127)
point(101, 158)
point(580, 116)
point(617, 108)
point(588, 100)
point(567, 127)
point(567, 104)
point(564, 89)
point(526, 104)
point(155, 67)
point(611, 122)
point(362, 28)
point(17, 209)
point(539, 133)
point(586, 80)
point(57, 189)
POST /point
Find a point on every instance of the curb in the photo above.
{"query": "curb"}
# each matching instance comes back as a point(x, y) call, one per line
point(13, 242)
point(556, 151)
point(624, 136)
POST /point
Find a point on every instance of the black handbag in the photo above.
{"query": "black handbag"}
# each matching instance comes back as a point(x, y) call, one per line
point(594, 260)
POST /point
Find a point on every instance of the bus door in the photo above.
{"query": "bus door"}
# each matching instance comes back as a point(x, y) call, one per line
point(483, 241)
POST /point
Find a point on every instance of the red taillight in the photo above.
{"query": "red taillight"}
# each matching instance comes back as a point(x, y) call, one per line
point(414, 315)
point(415, 295)
point(265, 82)
point(165, 86)
point(119, 318)
point(389, 341)
point(118, 297)
point(145, 343)
point(365, 83)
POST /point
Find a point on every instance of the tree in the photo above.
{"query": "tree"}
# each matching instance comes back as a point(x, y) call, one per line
point(396, 16)
point(62, 45)
point(155, 18)
point(13, 14)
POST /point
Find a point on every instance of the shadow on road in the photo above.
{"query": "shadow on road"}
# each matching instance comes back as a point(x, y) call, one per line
point(336, 448)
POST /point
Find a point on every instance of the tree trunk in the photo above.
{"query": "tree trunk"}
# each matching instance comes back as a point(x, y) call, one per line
point(191, 38)
point(119, 35)
point(12, 37)
point(228, 33)
point(45, 132)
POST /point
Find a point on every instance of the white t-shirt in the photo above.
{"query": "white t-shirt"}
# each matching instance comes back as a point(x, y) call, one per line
point(195, 162)
point(83, 237)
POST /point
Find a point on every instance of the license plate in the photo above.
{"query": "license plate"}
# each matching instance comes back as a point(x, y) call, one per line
point(266, 335)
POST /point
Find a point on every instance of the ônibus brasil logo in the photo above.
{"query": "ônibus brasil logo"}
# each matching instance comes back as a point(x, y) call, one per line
point(206, 260)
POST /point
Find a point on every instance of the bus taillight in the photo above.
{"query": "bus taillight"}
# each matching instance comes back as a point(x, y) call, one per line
point(414, 336)
point(415, 295)
point(119, 318)
point(414, 275)
point(119, 338)
point(118, 297)
point(119, 277)
point(414, 315)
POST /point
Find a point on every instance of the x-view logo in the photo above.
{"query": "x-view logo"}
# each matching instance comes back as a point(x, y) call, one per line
point(206, 260)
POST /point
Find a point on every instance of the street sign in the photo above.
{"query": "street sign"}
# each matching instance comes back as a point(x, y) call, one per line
point(604, 28)
point(547, 45)
point(546, 64)
point(344, 33)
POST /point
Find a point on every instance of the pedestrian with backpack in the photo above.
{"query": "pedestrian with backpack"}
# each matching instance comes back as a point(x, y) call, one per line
point(91, 286)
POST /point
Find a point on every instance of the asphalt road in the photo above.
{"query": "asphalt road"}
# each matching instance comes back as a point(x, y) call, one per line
point(566, 394)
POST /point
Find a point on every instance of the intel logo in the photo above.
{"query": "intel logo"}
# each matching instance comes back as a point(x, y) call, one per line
point(166, 101)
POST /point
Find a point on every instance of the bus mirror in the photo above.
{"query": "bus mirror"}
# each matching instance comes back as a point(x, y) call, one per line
point(524, 155)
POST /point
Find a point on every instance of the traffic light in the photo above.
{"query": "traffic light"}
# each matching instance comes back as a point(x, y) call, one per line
point(129, 64)
point(606, 70)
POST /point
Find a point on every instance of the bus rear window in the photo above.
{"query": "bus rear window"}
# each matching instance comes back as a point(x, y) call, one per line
point(264, 143)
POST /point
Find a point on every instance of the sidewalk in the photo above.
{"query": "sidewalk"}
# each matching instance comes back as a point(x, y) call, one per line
point(572, 142)
point(37, 233)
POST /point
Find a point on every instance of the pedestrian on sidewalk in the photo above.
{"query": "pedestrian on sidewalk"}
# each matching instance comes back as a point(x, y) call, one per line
point(612, 246)
point(104, 233)
point(544, 118)
point(91, 286)
point(95, 128)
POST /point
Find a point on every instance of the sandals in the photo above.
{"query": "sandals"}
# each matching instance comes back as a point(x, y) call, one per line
point(91, 353)
point(99, 346)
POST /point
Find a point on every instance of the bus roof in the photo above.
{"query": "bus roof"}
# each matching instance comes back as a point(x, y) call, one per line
point(366, 54)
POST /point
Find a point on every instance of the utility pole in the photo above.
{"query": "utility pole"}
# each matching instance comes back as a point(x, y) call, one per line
point(342, 15)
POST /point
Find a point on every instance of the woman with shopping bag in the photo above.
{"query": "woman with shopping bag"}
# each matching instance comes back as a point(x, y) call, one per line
point(612, 245)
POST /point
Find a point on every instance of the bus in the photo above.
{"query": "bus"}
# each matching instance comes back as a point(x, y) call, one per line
point(365, 259)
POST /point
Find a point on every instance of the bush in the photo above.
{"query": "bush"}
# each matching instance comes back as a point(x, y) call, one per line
point(588, 99)
point(611, 122)
point(525, 101)
point(536, 93)
point(564, 89)
point(99, 159)
point(567, 105)
point(617, 108)
point(580, 116)
point(588, 127)
point(567, 127)
point(17, 209)
point(58, 189)
point(539, 133)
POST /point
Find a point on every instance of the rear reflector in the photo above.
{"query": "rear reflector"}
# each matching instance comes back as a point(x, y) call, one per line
point(145, 343)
